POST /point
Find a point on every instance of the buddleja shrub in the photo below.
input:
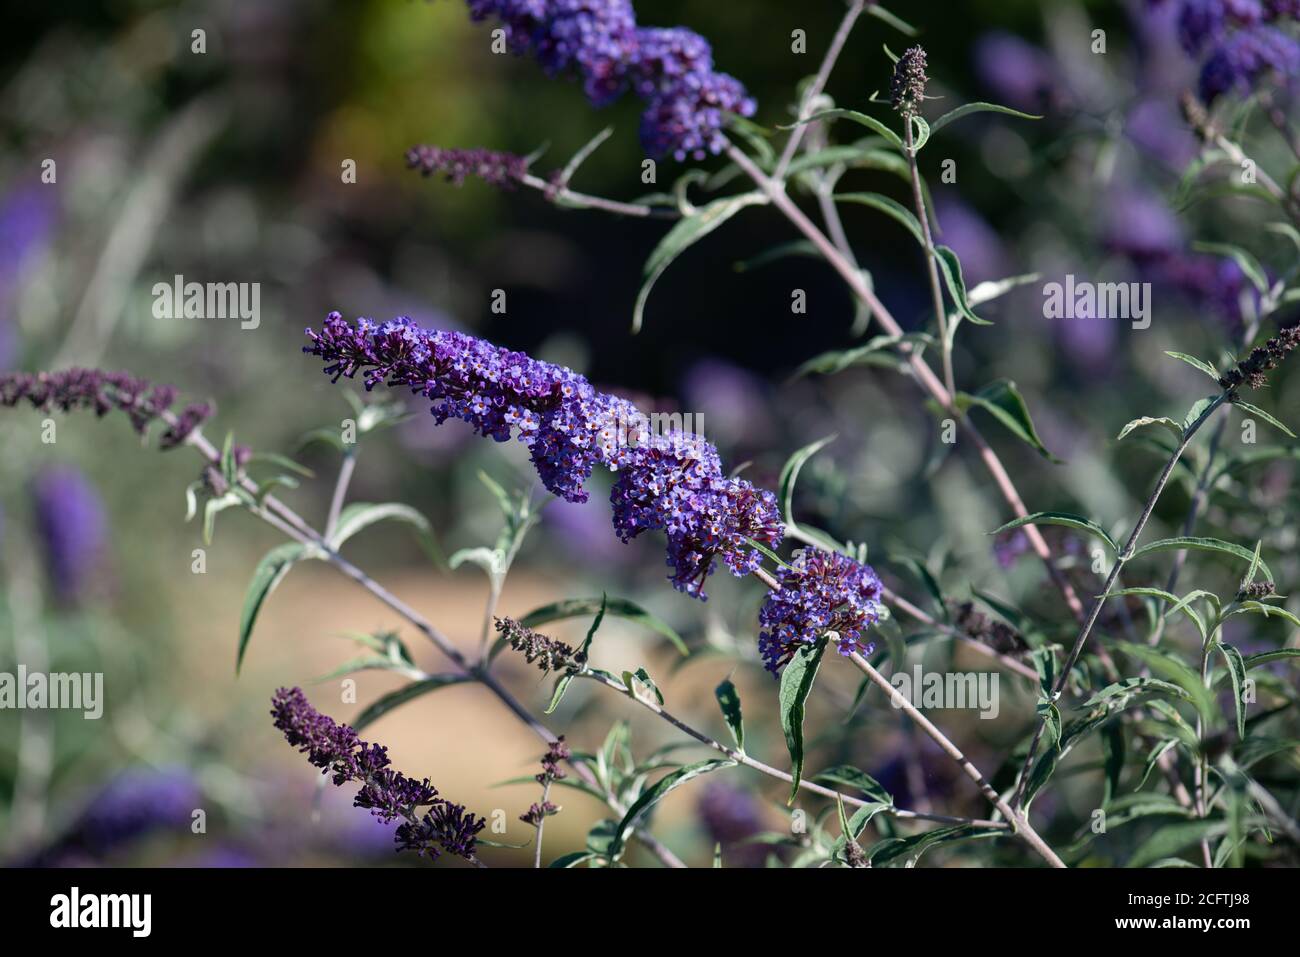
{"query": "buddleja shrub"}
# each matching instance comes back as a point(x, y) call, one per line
point(1195, 737)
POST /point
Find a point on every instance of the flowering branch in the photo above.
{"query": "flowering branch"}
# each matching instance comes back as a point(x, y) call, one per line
point(853, 277)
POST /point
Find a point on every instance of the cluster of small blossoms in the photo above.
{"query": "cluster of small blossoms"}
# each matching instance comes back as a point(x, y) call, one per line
point(670, 69)
point(907, 86)
point(548, 653)
point(998, 635)
point(102, 392)
point(1240, 41)
point(1254, 369)
point(672, 483)
point(389, 795)
point(551, 771)
point(820, 592)
point(491, 166)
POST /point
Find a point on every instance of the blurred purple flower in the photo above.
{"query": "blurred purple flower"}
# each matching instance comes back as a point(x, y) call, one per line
point(729, 400)
point(1019, 74)
point(671, 69)
point(136, 803)
point(732, 815)
point(71, 522)
point(26, 224)
point(1140, 226)
point(976, 243)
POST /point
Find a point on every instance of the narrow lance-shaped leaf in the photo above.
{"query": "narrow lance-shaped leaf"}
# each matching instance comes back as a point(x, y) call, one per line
point(1060, 518)
point(1201, 545)
point(1002, 399)
point(269, 573)
point(796, 684)
point(953, 115)
point(656, 793)
point(1237, 673)
point(618, 607)
point(688, 231)
point(410, 692)
point(729, 700)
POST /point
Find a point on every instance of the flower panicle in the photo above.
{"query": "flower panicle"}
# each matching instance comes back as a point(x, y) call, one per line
point(549, 654)
point(503, 170)
point(907, 86)
point(670, 69)
point(388, 794)
point(673, 482)
point(1254, 369)
point(102, 392)
point(822, 594)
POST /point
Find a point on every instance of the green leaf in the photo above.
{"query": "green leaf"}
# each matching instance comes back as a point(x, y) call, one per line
point(270, 571)
point(1196, 363)
point(1003, 401)
point(870, 122)
point(1061, 518)
point(1171, 840)
point(1146, 420)
point(1260, 413)
point(1200, 545)
point(561, 686)
point(1248, 263)
point(895, 210)
point(618, 607)
point(920, 133)
point(687, 231)
point(1171, 669)
point(1237, 673)
point(796, 683)
point(1183, 605)
point(729, 700)
point(884, 16)
point(330, 437)
point(1266, 657)
point(950, 266)
point(869, 353)
point(1198, 410)
point(1051, 718)
point(361, 515)
point(847, 776)
point(572, 859)
point(404, 694)
point(910, 849)
point(655, 793)
point(631, 677)
point(981, 107)
point(1134, 686)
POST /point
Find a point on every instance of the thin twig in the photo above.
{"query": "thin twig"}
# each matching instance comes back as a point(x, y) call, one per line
point(1120, 559)
point(936, 291)
point(740, 757)
point(1019, 823)
point(818, 84)
point(924, 374)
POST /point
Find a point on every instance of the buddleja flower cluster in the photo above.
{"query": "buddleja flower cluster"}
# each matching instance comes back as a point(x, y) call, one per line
point(599, 40)
point(102, 392)
point(820, 592)
point(390, 795)
point(1240, 41)
point(672, 483)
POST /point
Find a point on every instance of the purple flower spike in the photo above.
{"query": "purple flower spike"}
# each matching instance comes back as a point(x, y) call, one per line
point(671, 69)
point(822, 592)
point(70, 518)
point(387, 793)
point(671, 483)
